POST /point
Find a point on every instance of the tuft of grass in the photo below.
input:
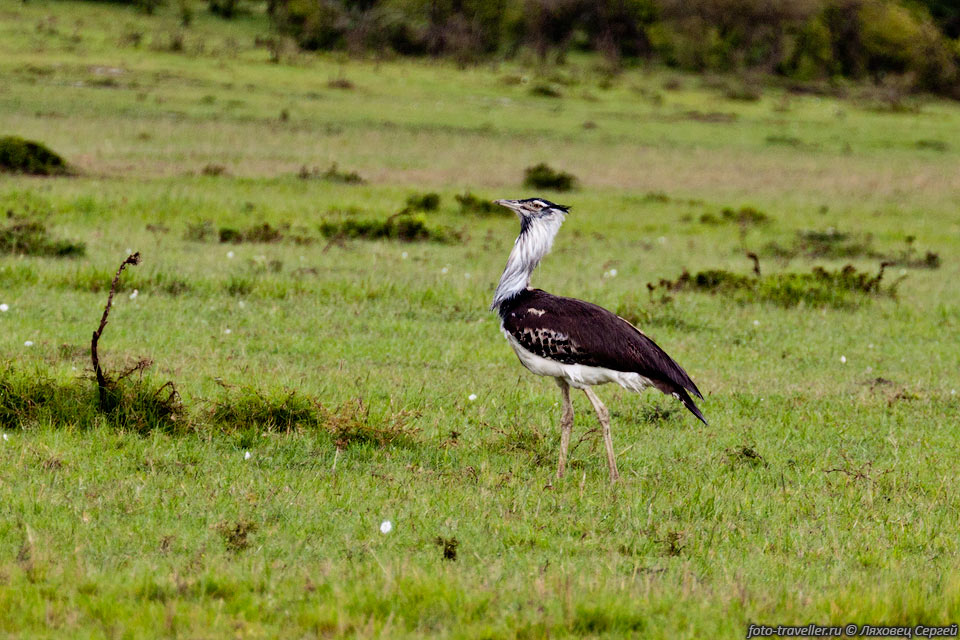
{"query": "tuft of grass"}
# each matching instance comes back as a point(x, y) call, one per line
point(744, 216)
point(544, 90)
point(95, 280)
point(262, 233)
point(543, 176)
point(18, 155)
point(31, 238)
point(780, 139)
point(401, 226)
point(423, 202)
point(844, 287)
point(214, 170)
point(331, 174)
point(838, 245)
point(246, 410)
point(471, 204)
point(198, 231)
point(448, 547)
point(743, 92)
point(932, 145)
point(28, 399)
point(236, 534)
point(342, 84)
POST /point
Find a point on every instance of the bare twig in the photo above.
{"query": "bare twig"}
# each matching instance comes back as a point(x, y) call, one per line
point(102, 382)
point(756, 262)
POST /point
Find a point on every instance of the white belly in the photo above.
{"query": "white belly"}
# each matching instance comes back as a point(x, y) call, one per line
point(577, 375)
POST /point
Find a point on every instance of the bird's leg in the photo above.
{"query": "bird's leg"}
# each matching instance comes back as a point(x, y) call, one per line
point(604, 417)
point(566, 425)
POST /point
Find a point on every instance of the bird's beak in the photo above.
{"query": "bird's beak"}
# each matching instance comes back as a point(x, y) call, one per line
point(513, 205)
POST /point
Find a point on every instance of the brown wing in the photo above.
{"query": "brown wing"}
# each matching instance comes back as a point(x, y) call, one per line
point(572, 331)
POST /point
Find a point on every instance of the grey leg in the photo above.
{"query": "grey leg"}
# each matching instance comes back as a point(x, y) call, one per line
point(604, 417)
point(566, 426)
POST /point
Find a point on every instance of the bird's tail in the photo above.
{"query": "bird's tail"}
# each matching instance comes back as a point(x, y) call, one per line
point(688, 402)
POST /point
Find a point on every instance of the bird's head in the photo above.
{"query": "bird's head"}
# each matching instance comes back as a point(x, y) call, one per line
point(531, 209)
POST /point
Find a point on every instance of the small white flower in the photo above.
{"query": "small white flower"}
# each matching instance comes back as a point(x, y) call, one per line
point(444, 270)
point(4, 307)
point(241, 304)
point(247, 455)
point(953, 392)
point(230, 254)
point(843, 359)
point(227, 331)
point(756, 323)
point(386, 526)
point(129, 251)
point(28, 343)
point(136, 292)
point(404, 255)
point(472, 397)
point(870, 346)
point(6, 438)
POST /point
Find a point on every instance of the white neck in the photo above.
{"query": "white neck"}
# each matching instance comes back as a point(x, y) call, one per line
point(534, 242)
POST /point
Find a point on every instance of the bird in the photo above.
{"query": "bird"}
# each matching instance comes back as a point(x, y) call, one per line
point(577, 343)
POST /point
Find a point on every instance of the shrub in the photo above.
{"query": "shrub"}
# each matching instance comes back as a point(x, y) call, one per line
point(820, 287)
point(542, 176)
point(25, 156)
point(332, 174)
point(423, 202)
point(30, 238)
point(401, 226)
point(470, 203)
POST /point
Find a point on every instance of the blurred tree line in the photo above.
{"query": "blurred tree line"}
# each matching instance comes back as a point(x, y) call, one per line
point(915, 41)
point(803, 39)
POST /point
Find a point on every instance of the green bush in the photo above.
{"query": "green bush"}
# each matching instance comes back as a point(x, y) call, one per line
point(26, 156)
point(543, 176)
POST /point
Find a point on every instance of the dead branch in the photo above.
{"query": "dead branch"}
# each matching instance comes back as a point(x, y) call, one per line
point(102, 382)
point(756, 262)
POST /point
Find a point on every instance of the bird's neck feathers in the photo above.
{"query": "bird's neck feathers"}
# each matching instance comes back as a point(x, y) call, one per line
point(534, 242)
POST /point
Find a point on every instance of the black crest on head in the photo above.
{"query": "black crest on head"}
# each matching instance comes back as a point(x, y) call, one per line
point(545, 204)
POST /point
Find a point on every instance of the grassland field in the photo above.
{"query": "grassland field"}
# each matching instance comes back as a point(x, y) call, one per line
point(823, 490)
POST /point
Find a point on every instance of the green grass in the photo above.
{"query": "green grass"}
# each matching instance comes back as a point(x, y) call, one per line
point(345, 367)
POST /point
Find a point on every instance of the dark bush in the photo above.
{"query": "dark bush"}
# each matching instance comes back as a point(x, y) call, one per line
point(423, 202)
point(25, 156)
point(542, 176)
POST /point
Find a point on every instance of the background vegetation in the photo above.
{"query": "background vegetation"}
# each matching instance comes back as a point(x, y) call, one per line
point(317, 264)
